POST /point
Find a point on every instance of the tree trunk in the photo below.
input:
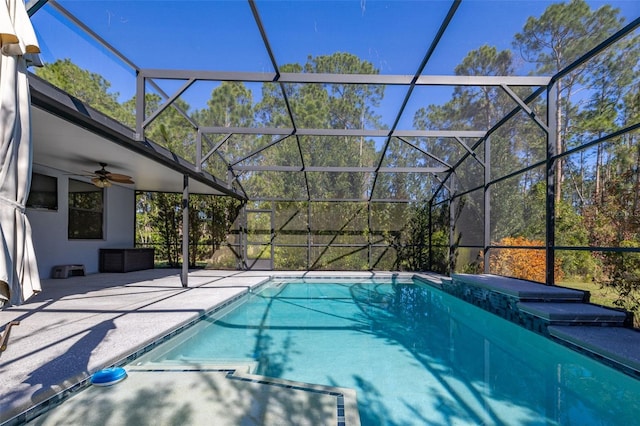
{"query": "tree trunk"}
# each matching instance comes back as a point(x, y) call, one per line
point(558, 176)
point(636, 207)
point(598, 189)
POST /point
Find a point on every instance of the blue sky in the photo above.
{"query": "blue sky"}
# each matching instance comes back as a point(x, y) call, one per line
point(222, 35)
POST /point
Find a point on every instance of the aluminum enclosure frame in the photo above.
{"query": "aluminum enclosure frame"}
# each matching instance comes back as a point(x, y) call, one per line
point(545, 85)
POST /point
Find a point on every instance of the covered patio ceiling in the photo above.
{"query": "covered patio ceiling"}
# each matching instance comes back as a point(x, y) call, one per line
point(414, 48)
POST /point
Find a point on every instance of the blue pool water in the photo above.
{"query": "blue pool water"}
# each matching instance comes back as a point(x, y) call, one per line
point(414, 355)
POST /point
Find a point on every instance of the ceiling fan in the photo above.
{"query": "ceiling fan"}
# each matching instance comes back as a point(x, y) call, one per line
point(102, 178)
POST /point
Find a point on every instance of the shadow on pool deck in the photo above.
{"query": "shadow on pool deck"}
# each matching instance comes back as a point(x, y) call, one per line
point(81, 324)
point(229, 398)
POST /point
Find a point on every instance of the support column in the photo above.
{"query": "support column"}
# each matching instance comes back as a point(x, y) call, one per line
point(309, 240)
point(140, 106)
point(551, 165)
point(198, 151)
point(487, 204)
point(272, 237)
point(452, 223)
point(244, 237)
point(184, 276)
point(430, 235)
point(369, 235)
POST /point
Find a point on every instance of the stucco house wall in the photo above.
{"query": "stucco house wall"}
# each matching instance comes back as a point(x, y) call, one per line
point(49, 227)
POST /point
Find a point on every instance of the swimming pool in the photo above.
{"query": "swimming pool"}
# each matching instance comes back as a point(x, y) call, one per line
point(414, 355)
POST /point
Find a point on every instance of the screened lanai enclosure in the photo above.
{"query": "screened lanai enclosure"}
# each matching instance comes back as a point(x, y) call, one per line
point(469, 136)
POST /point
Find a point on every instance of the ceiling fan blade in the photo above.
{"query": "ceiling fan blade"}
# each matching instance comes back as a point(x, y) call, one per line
point(128, 181)
point(119, 178)
point(103, 178)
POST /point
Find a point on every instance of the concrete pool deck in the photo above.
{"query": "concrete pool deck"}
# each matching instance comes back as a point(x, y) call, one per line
point(79, 325)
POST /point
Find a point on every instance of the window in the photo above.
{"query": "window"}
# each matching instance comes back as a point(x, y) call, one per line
point(43, 193)
point(85, 210)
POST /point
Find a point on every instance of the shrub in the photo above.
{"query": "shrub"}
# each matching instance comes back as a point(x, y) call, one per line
point(525, 263)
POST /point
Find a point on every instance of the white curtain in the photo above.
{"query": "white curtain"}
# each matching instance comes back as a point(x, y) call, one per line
point(19, 277)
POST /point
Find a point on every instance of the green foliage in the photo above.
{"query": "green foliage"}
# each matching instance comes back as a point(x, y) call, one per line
point(166, 218)
point(553, 41)
point(475, 108)
point(440, 252)
point(330, 106)
point(159, 224)
point(564, 32)
point(89, 87)
point(613, 221)
point(419, 247)
point(622, 273)
point(571, 232)
point(290, 258)
point(412, 245)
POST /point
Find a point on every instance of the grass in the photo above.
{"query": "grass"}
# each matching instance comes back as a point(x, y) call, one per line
point(599, 295)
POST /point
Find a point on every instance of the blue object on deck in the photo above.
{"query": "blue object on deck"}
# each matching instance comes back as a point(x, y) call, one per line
point(108, 376)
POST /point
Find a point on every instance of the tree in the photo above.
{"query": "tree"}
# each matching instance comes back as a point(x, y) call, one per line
point(480, 108)
point(87, 86)
point(322, 106)
point(618, 225)
point(166, 218)
point(411, 244)
point(610, 87)
point(230, 105)
point(556, 39)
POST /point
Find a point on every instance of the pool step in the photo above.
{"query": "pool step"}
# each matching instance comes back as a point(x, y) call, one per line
point(205, 397)
point(560, 313)
point(613, 345)
point(522, 290)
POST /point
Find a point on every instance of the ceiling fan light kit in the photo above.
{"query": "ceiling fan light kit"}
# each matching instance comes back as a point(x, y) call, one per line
point(101, 182)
